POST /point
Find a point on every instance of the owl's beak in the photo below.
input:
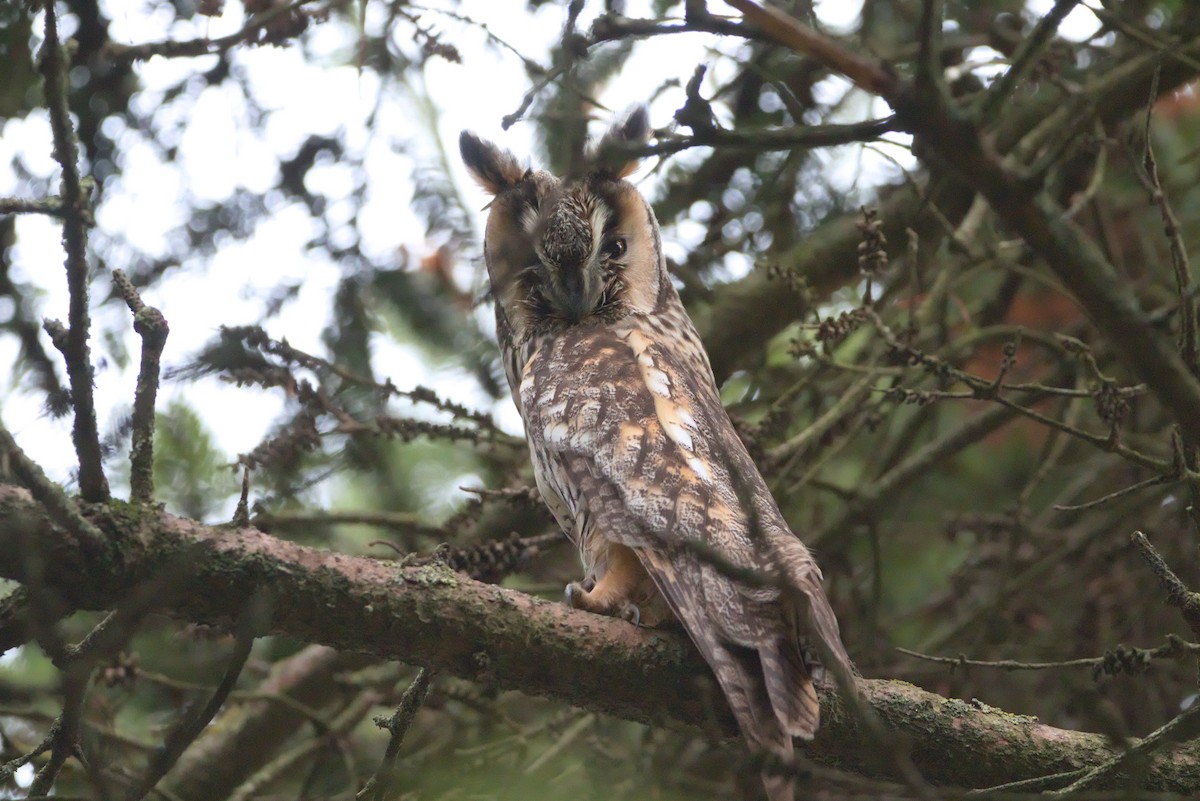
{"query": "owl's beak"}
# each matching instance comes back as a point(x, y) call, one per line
point(578, 290)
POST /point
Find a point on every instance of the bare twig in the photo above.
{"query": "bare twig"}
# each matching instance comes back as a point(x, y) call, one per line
point(58, 506)
point(805, 136)
point(339, 727)
point(1120, 659)
point(173, 48)
point(1024, 59)
point(152, 327)
point(1189, 347)
point(1141, 485)
point(252, 621)
point(1178, 595)
point(241, 514)
point(397, 726)
point(867, 75)
point(928, 79)
point(77, 216)
point(1182, 727)
point(14, 609)
point(52, 206)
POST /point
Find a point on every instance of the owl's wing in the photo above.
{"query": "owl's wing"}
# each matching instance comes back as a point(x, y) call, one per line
point(645, 444)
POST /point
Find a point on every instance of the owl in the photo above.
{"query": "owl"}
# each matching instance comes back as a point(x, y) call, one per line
point(632, 449)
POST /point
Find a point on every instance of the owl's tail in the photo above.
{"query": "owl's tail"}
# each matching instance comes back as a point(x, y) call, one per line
point(769, 688)
point(753, 685)
point(785, 672)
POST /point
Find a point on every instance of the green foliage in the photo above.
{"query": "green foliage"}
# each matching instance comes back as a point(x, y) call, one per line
point(191, 474)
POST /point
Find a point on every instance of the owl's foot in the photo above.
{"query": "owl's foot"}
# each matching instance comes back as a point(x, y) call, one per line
point(630, 613)
point(578, 595)
point(571, 595)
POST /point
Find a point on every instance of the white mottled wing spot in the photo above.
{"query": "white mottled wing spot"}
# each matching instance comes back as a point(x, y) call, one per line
point(556, 433)
point(678, 433)
point(676, 421)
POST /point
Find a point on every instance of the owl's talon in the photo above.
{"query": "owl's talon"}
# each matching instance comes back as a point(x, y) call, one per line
point(572, 594)
point(630, 612)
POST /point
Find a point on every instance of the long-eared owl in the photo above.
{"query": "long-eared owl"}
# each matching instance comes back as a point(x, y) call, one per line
point(632, 449)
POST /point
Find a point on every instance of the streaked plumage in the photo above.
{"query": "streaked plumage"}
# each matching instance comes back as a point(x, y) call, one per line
point(632, 449)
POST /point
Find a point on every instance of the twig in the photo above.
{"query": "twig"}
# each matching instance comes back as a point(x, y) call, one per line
point(339, 727)
point(252, 621)
point(1182, 727)
point(1121, 658)
point(1024, 59)
point(1150, 482)
point(241, 514)
point(1178, 595)
point(14, 629)
point(151, 326)
point(867, 75)
point(397, 725)
point(509, 120)
point(531, 66)
point(888, 486)
point(52, 206)
point(928, 79)
point(172, 48)
point(77, 663)
point(77, 216)
point(58, 506)
point(1162, 48)
point(64, 732)
point(399, 521)
point(1036, 784)
point(8, 769)
point(801, 136)
point(1103, 442)
point(1189, 347)
point(610, 28)
point(845, 403)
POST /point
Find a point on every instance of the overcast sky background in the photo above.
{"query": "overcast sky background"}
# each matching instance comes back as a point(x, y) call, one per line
point(219, 151)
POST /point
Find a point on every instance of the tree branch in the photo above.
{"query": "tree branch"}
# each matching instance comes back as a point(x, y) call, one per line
point(441, 620)
point(151, 326)
point(76, 215)
point(235, 747)
point(751, 311)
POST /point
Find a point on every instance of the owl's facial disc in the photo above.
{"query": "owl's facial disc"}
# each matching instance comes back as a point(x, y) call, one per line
point(577, 254)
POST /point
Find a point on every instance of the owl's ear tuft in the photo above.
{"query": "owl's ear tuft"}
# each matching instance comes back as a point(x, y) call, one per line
point(630, 130)
point(495, 168)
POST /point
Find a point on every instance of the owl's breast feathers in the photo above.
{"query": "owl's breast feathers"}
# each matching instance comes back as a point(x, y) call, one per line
point(626, 427)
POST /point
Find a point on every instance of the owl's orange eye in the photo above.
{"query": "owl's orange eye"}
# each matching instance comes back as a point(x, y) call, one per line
point(615, 249)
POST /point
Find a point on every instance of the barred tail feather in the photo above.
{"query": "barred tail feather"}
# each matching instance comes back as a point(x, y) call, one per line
point(767, 724)
point(793, 697)
point(815, 616)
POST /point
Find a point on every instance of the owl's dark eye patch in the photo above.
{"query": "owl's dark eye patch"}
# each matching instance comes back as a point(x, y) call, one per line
point(615, 248)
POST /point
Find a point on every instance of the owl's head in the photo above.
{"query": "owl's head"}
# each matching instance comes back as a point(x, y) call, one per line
point(563, 252)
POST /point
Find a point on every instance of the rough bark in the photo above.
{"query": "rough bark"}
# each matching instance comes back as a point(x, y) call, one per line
point(433, 617)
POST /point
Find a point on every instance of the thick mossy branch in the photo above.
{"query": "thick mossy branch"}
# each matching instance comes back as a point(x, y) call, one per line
point(431, 616)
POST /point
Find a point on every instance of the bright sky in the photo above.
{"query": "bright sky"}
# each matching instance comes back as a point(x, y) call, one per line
point(221, 151)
